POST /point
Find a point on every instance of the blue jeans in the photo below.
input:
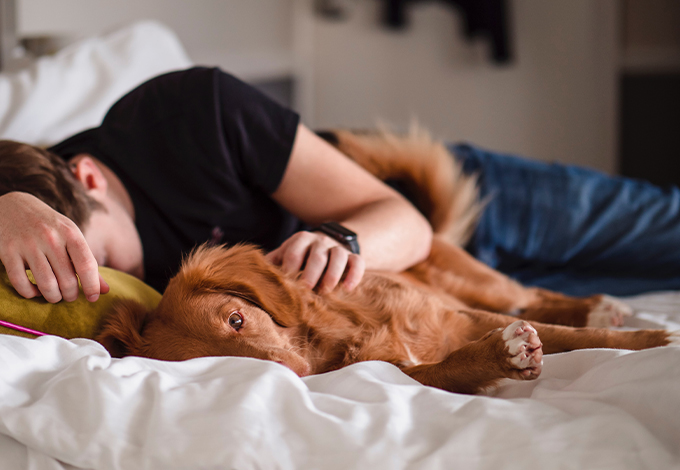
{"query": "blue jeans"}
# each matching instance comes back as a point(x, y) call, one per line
point(572, 229)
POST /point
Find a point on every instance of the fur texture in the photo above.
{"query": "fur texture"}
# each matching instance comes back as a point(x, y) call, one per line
point(443, 321)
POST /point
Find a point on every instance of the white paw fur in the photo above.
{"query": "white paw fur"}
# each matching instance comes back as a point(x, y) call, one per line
point(524, 347)
point(674, 338)
point(609, 312)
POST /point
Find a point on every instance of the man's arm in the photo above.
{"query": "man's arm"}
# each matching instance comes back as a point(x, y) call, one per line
point(320, 185)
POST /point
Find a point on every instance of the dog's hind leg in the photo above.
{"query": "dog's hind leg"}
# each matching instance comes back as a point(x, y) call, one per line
point(451, 270)
point(558, 338)
point(595, 311)
point(515, 350)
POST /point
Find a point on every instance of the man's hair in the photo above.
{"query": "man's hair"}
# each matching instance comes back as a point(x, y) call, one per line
point(46, 176)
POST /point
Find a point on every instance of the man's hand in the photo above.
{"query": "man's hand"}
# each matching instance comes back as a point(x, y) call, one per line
point(323, 261)
point(35, 236)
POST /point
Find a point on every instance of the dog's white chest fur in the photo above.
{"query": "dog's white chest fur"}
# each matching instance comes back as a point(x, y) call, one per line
point(412, 359)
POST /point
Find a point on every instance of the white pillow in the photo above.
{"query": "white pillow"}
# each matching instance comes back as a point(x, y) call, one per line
point(60, 95)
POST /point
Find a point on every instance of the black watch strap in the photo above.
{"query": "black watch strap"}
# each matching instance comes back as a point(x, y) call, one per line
point(341, 234)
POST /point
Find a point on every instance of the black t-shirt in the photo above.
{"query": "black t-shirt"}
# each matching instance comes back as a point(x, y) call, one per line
point(200, 152)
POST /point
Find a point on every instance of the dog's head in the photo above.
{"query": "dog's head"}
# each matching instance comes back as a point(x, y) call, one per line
point(223, 302)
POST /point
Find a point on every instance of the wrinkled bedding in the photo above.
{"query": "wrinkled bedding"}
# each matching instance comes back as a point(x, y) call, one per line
point(67, 404)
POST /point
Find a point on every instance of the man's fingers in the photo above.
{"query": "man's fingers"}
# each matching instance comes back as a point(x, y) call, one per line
point(16, 272)
point(85, 266)
point(324, 261)
point(356, 267)
point(103, 286)
point(295, 253)
point(317, 259)
point(45, 278)
point(65, 274)
point(337, 262)
point(274, 256)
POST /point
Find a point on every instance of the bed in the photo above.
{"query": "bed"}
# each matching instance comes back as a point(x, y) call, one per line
point(66, 404)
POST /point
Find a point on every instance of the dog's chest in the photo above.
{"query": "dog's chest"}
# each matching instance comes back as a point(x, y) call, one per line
point(385, 319)
point(413, 360)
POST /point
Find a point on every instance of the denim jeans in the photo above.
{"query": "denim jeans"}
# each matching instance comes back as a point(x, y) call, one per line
point(572, 229)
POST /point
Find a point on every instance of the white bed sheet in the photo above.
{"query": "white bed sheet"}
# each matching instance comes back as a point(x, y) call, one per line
point(67, 404)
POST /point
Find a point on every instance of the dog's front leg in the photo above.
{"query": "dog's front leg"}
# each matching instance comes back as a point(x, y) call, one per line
point(511, 352)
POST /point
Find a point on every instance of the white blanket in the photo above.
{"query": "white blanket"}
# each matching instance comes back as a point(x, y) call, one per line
point(67, 404)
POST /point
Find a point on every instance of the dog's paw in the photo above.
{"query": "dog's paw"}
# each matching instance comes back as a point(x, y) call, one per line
point(674, 338)
point(524, 349)
point(609, 312)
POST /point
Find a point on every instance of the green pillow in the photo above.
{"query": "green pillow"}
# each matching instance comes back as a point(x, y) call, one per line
point(77, 319)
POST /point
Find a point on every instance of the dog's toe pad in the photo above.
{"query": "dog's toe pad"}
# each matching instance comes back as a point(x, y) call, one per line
point(524, 348)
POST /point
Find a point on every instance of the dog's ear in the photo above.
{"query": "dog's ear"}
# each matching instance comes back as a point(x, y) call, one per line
point(120, 332)
point(243, 271)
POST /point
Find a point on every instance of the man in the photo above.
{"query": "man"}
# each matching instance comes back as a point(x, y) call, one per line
point(197, 156)
point(191, 157)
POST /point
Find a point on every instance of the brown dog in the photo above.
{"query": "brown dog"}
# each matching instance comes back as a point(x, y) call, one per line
point(442, 321)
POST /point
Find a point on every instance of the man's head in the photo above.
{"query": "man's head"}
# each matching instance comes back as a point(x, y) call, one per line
point(32, 170)
point(84, 190)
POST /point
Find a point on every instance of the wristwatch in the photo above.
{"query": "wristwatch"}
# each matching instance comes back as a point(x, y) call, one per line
point(341, 234)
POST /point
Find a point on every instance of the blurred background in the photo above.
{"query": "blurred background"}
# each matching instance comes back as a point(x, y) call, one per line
point(588, 82)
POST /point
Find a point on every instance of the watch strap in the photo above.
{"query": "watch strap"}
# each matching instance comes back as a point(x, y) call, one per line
point(340, 234)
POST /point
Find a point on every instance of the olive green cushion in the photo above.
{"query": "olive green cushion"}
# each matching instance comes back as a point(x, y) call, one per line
point(77, 319)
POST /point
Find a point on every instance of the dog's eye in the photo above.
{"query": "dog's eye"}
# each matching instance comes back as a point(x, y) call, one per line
point(235, 321)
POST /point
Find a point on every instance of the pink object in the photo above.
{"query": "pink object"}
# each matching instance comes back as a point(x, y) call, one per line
point(21, 328)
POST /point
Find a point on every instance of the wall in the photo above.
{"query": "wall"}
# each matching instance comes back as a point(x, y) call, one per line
point(557, 102)
point(651, 23)
point(251, 37)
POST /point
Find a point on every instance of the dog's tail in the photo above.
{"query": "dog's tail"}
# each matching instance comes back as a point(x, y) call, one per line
point(423, 170)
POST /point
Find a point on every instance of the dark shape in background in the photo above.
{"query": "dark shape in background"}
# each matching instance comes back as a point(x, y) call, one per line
point(485, 18)
point(650, 127)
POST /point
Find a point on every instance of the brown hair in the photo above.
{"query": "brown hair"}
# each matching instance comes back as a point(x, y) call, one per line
point(46, 176)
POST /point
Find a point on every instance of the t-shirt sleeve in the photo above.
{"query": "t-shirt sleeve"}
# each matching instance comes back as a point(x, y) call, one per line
point(258, 132)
